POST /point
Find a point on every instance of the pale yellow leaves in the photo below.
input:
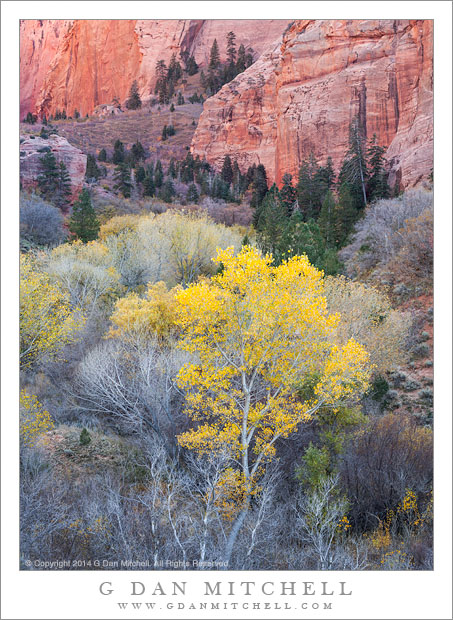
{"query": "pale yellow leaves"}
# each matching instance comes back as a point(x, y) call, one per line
point(48, 322)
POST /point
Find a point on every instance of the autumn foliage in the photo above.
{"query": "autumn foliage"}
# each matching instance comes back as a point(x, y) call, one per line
point(256, 330)
point(47, 320)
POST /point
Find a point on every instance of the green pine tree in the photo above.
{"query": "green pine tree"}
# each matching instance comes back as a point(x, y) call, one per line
point(231, 47)
point(288, 194)
point(134, 102)
point(325, 179)
point(327, 220)
point(214, 56)
point(63, 189)
point(309, 189)
point(158, 174)
point(138, 151)
point(83, 222)
point(227, 170)
point(92, 171)
point(149, 188)
point(377, 186)
point(271, 221)
point(118, 152)
point(85, 437)
point(245, 240)
point(241, 61)
point(192, 194)
point(172, 168)
point(48, 180)
point(301, 237)
point(259, 187)
point(174, 70)
point(346, 214)
point(102, 155)
point(122, 179)
point(167, 191)
point(140, 174)
point(354, 170)
point(161, 88)
point(192, 67)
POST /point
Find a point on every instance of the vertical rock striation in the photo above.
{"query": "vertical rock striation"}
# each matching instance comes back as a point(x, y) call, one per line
point(84, 63)
point(302, 93)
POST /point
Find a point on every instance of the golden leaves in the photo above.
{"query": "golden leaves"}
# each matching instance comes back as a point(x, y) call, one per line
point(258, 330)
point(144, 318)
point(47, 320)
point(34, 419)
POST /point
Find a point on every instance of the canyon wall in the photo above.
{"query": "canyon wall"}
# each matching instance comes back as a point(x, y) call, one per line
point(80, 64)
point(301, 94)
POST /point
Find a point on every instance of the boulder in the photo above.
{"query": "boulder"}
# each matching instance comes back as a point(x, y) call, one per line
point(33, 148)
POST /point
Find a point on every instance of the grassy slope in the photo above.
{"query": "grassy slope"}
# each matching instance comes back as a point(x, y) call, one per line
point(144, 125)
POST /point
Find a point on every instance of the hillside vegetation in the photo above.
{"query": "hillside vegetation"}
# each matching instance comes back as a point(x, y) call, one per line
point(150, 356)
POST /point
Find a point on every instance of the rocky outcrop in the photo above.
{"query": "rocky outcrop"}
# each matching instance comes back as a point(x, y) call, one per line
point(81, 64)
point(301, 94)
point(107, 111)
point(33, 148)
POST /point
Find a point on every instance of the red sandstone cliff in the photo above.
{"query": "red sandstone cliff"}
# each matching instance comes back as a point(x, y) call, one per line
point(303, 91)
point(84, 63)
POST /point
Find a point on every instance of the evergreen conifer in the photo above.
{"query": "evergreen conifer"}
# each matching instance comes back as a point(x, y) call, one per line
point(134, 102)
point(83, 222)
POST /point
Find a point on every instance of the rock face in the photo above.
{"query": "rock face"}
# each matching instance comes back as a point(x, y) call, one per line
point(81, 64)
point(33, 149)
point(39, 42)
point(302, 93)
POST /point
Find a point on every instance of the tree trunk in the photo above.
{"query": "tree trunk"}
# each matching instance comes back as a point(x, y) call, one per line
point(231, 541)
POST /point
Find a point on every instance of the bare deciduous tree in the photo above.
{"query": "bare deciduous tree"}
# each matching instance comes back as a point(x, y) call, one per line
point(318, 516)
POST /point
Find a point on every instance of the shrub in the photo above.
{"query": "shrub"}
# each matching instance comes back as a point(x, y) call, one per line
point(381, 461)
point(426, 394)
point(173, 247)
point(394, 235)
point(421, 350)
point(366, 315)
point(40, 222)
point(34, 419)
point(85, 272)
point(379, 388)
point(411, 385)
point(85, 437)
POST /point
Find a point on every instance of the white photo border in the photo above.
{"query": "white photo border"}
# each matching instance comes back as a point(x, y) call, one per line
point(37, 594)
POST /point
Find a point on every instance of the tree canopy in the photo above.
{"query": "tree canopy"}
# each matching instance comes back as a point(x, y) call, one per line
point(259, 331)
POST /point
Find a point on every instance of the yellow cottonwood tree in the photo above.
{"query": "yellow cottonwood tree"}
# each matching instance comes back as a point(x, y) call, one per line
point(136, 318)
point(47, 320)
point(256, 332)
